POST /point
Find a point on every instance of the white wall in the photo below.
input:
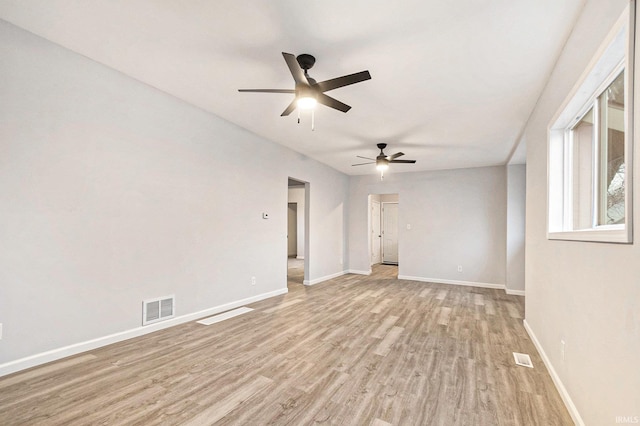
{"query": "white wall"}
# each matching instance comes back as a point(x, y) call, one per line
point(516, 205)
point(112, 192)
point(587, 294)
point(296, 195)
point(457, 217)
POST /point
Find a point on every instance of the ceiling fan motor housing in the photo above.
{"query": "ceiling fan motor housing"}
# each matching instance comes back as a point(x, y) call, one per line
point(304, 91)
point(306, 61)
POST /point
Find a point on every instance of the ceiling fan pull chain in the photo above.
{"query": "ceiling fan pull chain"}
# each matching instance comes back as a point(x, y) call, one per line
point(298, 115)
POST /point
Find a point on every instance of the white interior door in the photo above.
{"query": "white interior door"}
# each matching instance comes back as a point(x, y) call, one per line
point(376, 233)
point(390, 232)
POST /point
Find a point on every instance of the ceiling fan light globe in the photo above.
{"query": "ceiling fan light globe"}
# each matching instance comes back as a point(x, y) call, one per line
point(381, 167)
point(307, 102)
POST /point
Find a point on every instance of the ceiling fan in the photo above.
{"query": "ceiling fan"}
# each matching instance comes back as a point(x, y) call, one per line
point(383, 160)
point(307, 91)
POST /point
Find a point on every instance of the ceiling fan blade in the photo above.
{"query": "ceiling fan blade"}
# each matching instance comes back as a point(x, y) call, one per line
point(396, 155)
point(332, 103)
point(294, 67)
point(290, 108)
point(268, 90)
point(362, 164)
point(366, 158)
point(403, 161)
point(346, 80)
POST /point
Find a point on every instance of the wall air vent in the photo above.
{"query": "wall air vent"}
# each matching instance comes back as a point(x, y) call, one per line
point(523, 359)
point(160, 309)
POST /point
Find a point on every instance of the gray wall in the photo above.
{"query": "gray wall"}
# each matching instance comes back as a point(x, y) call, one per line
point(112, 192)
point(587, 294)
point(457, 217)
point(516, 206)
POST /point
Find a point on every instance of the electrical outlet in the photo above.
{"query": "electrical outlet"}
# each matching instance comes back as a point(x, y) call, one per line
point(562, 349)
point(253, 280)
point(459, 268)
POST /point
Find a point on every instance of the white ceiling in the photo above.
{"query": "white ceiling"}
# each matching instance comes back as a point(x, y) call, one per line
point(453, 82)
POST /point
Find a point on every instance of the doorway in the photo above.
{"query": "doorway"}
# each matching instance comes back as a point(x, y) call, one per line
point(383, 230)
point(297, 233)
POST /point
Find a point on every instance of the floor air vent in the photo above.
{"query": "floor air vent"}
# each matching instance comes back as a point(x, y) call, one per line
point(221, 317)
point(523, 359)
point(160, 309)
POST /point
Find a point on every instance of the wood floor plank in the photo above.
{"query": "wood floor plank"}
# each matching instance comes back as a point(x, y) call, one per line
point(381, 331)
point(366, 350)
point(381, 306)
point(443, 318)
point(389, 340)
point(218, 410)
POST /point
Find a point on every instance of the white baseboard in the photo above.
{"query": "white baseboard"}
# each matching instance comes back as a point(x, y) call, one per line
point(514, 292)
point(358, 272)
point(453, 282)
point(299, 257)
point(325, 278)
point(568, 402)
point(76, 348)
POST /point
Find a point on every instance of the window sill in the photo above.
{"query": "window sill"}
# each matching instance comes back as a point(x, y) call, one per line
point(608, 234)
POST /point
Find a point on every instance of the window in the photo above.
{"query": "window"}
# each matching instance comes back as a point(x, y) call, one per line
point(590, 142)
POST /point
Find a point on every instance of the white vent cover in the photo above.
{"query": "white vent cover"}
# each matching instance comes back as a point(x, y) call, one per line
point(523, 359)
point(221, 317)
point(160, 309)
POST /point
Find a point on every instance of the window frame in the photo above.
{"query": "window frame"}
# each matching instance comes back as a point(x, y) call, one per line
point(608, 62)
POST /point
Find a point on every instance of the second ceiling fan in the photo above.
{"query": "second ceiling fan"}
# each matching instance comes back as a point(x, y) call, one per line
point(383, 160)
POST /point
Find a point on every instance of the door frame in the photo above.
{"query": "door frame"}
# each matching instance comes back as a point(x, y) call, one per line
point(372, 233)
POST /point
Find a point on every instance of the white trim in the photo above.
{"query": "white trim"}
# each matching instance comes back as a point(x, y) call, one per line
point(599, 234)
point(76, 348)
point(514, 292)
point(358, 272)
point(453, 282)
point(299, 257)
point(325, 278)
point(568, 402)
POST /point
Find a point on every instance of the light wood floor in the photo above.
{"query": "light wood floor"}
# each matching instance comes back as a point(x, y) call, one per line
point(355, 350)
